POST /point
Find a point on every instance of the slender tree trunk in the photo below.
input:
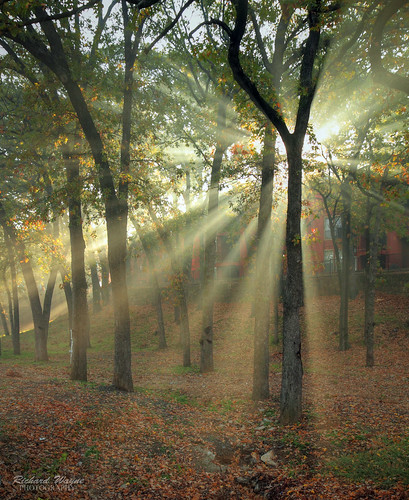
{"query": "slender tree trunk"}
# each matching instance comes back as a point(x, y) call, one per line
point(184, 324)
point(157, 297)
point(9, 300)
point(292, 371)
point(369, 290)
point(263, 272)
point(4, 321)
point(66, 285)
point(14, 306)
point(346, 265)
point(96, 289)
point(15, 332)
point(206, 341)
point(48, 298)
point(275, 319)
point(80, 318)
point(372, 249)
point(103, 262)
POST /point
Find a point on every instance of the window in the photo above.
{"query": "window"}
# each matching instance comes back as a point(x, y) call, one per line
point(329, 263)
point(338, 228)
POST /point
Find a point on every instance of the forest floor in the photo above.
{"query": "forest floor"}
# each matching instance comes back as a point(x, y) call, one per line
point(184, 435)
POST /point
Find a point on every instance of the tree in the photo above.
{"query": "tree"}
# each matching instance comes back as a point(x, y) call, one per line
point(291, 388)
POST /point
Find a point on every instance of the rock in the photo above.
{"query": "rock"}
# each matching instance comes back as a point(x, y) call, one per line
point(269, 458)
point(204, 460)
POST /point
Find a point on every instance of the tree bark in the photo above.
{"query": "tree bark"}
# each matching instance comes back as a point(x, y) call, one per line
point(263, 285)
point(292, 370)
point(206, 340)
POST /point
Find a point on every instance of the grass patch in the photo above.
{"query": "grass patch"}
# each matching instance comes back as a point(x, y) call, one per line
point(185, 370)
point(182, 398)
point(385, 465)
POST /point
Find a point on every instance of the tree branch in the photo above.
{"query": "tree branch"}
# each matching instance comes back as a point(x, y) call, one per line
point(55, 17)
point(241, 77)
point(380, 74)
point(168, 27)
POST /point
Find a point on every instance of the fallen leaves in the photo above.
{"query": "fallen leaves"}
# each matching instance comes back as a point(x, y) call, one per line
point(184, 435)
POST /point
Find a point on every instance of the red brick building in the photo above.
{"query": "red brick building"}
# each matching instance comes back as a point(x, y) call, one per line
point(394, 252)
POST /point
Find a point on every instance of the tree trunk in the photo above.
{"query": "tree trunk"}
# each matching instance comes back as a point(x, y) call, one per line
point(4, 321)
point(96, 289)
point(157, 298)
point(15, 332)
point(263, 272)
point(372, 249)
point(80, 318)
point(14, 306)
point(66, 285)
point(292, 370)
point(103, 262)
point(206, 341)
point(48, 298)
point(346, 265)
point(9, 299)
point(184, 324)
point(117, 234)
point(369, 290)
point(275, 319)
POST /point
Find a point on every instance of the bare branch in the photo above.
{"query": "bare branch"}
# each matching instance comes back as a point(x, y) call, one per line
point(169, 26)
point(211, 22)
